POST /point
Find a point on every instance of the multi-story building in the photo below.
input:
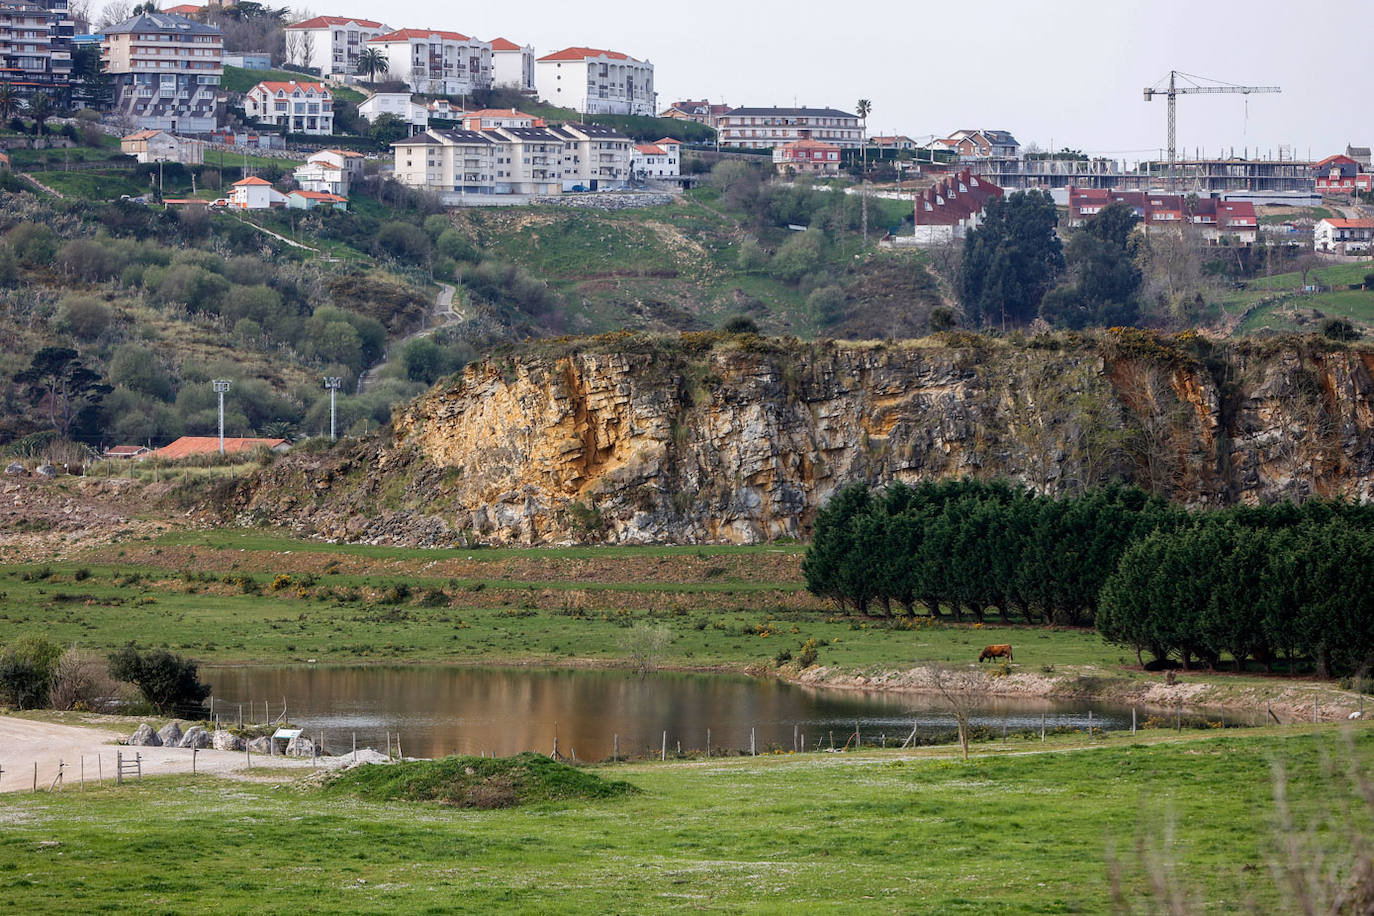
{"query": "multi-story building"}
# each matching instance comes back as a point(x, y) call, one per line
point(36, 46)
point(949, 208)
point(533, 159)
point(1343, 236)
point(1213, 220)
point(330, 171)
point(302, 108)
point(160, 146)
point(399, 104)
point(435, 62)
point(765, 128)
point(1341, 175)
point(512, 65)
point(488, 118)
point(971, 145)
point(702, 112)
point(165, 72)
point(660, 159)
point(807, 157)
point(331, 43)
point(596, 81)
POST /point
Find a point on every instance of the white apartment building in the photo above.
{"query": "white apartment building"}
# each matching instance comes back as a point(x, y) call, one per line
point(331, 43)
point(512, 65)
point(302, 108)
point(165, 71)
point(596, 81)
point(764, 128)
point(397, 103)
point(435, 62)
point(330, 171)
point(660, 159)
point(514, 160)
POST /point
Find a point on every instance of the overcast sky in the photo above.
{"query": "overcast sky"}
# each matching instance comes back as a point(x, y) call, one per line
point(1063, 71)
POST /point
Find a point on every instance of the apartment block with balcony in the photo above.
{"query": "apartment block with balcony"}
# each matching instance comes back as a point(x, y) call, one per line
point(596, 81)
point(302, 108)
point(35, 46)
point(448, 161)
point(436, 63)
point(165, 71)
point(595, 157)
point(331, 43)
point(765, 128)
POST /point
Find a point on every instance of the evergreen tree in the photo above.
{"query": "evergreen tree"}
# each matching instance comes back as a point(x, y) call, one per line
point(1011, 259)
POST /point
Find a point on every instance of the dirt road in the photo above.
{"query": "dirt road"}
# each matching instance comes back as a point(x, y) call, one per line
point(24, 742)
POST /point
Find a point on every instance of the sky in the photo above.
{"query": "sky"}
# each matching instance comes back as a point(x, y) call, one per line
point(1062, 72)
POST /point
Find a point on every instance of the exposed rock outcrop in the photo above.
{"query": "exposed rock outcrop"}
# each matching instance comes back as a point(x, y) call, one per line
point(705, 438)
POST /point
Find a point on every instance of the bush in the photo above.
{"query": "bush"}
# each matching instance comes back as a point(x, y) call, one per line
point(82, 316)
point(402, 241)
point(1339, 329)
point(740, 324)
point(167, 681)
point(80, 680)
point(26, 669)
point(807, 657)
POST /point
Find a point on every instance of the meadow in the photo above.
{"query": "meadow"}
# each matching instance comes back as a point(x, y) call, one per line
point(1119, 825)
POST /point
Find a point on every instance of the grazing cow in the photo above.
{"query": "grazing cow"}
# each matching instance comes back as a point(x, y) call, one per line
point(1002, 651)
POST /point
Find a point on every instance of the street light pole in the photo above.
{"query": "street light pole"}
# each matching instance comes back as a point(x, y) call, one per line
point(221, 386)
point(333, 383)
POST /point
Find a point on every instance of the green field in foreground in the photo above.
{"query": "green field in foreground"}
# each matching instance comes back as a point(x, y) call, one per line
point(343, 618)
point(867, 832)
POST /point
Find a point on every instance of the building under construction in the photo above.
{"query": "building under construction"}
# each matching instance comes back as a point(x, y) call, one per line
point(1200, 176)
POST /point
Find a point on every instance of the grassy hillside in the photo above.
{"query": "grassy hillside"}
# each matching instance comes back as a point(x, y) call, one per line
point(1279, 304)
point(1118, 825)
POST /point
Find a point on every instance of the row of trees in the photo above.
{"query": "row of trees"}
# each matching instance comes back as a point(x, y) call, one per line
point(36, 673)
point(1221, 586)
point(1245, 581)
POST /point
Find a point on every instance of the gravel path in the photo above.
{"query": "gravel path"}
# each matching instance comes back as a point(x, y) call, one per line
point(443, 312)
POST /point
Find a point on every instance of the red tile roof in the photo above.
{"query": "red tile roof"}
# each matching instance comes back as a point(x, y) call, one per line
point(323, 22)
point(497, 113)
point(1334, 160)
point(291, 86)
point(184, 9)
point(1349, 223)
point(670, 140)
point(407, 34)
point(251, 181)
point(126, 451)
point(649, 149)
point(187, 446)
point(584, 53)
point(809, 144)
point(346, 153)
point(320, 195)
point(504, 44)
point(142, 135)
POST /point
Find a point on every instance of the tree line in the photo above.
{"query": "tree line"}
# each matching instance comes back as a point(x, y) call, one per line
point(1244, 581)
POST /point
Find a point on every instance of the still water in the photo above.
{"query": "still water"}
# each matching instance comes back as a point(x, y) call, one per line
point(444, 710)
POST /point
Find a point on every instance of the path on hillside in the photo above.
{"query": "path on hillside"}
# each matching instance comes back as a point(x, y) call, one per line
point(273, 234)
point(443, 312)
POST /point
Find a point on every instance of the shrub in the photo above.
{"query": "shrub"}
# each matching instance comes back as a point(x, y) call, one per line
point(80, 680)
point(26, 669)
point(83, 316)
point(1339, 329)
point(809, 650)
point(740, 324)
point(167, 681)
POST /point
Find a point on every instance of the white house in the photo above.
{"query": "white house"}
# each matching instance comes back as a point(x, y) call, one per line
point(1343, 236)
point(445, 110)
point(512, 65)
point(488, 118)
point(398, 104)
point(348, 160)
point(659, 159)
point(309, 200)
point(596, 81)
point(768, 128)
point(323, 177)
point(255, 194)
point(160, 146)
point(436, 62)
point(331, 43)
point(302, 108)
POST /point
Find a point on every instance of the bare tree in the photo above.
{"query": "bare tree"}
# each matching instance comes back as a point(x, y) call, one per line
point(646, 645)
point(80, 13)
point(964, 691)
point(292, 45)
point(307, 48)
point(113, 13)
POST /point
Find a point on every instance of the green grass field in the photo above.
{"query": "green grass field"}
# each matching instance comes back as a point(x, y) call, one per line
point(1012, 831)
point(1296, 311)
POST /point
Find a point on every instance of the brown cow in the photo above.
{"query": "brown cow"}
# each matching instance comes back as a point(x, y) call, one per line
point(1002, 651)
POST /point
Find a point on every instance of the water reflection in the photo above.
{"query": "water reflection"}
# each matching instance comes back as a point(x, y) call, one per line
point(444, 710)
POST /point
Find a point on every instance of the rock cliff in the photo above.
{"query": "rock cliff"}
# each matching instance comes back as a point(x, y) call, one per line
point(706, 438)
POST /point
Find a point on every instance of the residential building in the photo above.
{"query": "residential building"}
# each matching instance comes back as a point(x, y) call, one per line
point(807, 157)
point(331, 43)
point(191, 446)
point(436, 62)
point(160, 146)
point(979, 144)
point(765, 128)
point(1341, 175)
point(302, 108)
point(515, 159)
point(512, 65)
point(594, 157)
point(660, 159)
point(249, 139)
point(597, 81)
point(36, 46)
point(702, 112)
point(488, 118)
point(952, 206)
point(254, 194)
point(165, 71)
point(1343, 236)
point(445, 110)
point(347, 160)
point(895, 142)
point(1211, 220)
point(456, 161)
point(396, 103)
point(321, 176)
point(127, 451)
point(1202, 176)
point(309, 200)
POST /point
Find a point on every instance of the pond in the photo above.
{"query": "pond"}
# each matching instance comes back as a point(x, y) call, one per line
point(440, 710)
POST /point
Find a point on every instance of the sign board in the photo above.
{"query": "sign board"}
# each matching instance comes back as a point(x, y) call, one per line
point(287, 733)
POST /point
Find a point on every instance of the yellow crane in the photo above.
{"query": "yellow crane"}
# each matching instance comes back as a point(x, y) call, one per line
point(1173, 90)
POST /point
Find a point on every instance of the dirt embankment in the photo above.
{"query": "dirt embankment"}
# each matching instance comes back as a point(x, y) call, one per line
point(43, 519)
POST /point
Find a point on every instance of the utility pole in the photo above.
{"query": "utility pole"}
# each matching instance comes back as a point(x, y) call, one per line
point(333, 383)
point(221, 386)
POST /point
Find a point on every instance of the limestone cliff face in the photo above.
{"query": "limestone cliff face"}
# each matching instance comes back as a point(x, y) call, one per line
point(702, 439)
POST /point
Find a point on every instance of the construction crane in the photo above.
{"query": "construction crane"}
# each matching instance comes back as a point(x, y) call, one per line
point(1176, 90)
